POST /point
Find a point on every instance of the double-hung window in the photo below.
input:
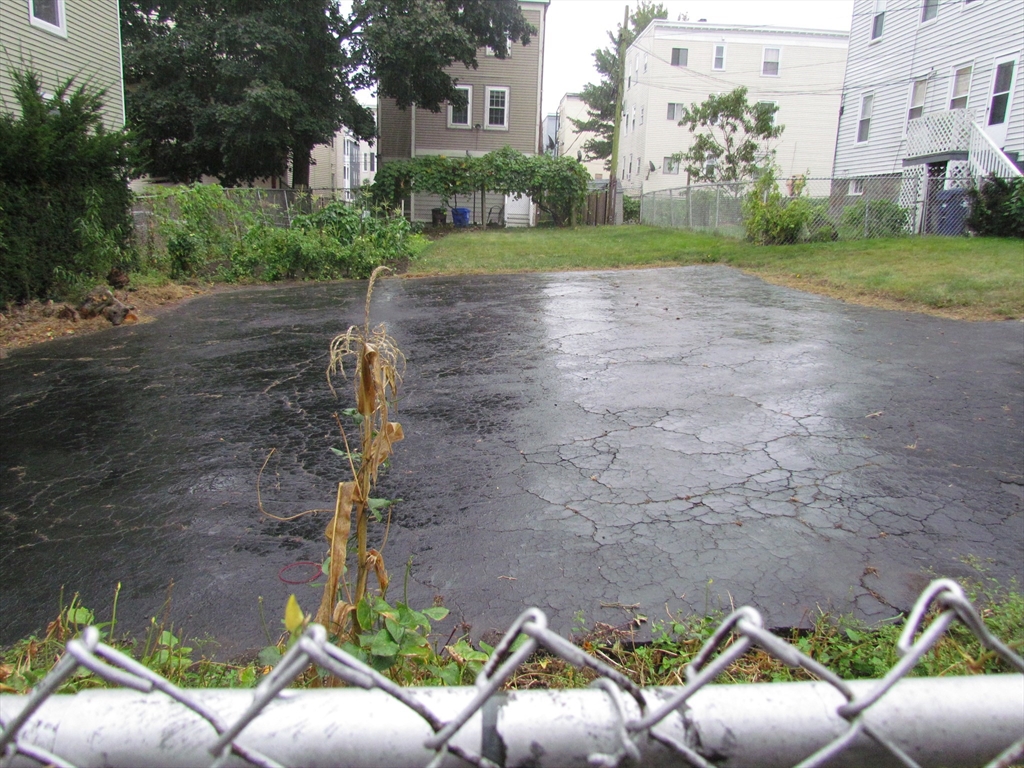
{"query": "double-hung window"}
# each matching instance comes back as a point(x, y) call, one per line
point(929, 10)
point(496, 103)
point(675, 111)
point(719, 60)
point(770, 61)
point(864, 121)
point(668, 165)
point(48, 15)
point(878, 20)
point(680, 56)
point(917, 95)
point(961, 87)
point(459, 117)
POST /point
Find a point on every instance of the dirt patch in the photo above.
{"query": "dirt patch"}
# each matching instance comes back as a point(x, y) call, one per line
point(37, 322)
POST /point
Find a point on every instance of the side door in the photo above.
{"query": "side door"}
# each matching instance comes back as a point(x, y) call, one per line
point(1000, 97)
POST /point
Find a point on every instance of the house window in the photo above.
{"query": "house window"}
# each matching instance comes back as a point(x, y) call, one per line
point(770, 63)
point(497, 108)
point(961, 87)
point(719, 62)
point(878, 21)
point(680, 56)
point(917, 94)
point(48, 15)
point(856, 187)
point(864, 122)
point(929, 10)
point(645, 62)
point(366, 161)
point(488, 51)
point(675, 111)
point(1001, 93)
point(641, 115)
point(458, 117)
point(633, 127)
point(373, 162)
point(668, 165)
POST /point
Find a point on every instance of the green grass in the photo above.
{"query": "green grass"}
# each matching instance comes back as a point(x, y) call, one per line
point(975, 278)
point(846, 646)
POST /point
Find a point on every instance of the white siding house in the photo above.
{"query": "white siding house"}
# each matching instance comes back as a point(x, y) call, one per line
point(570, 141)
point(672, 65)
point(932, 87)
point(344, 165)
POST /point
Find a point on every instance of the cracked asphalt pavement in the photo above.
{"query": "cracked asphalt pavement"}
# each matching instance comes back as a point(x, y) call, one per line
point(676, 439)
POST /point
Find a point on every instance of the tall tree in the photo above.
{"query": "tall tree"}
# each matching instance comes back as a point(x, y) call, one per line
point(237, 88)
point(731, 137)
point(601, 97)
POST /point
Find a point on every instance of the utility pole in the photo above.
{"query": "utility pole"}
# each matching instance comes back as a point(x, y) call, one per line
point(620, 75)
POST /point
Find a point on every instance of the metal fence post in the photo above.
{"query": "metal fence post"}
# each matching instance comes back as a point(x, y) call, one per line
point(671, 211)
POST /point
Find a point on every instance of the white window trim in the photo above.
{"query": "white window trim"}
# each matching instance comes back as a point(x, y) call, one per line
point(952, 83)
point(874, 15)
point(61, 30)
point(681, 66)
point(910, 100)
point(670, 166)
point(469, 110)
point(488, 51)
point(487, 107)
point(922, 19)
point(764, 52)
point(855, 187)
point(860, 117)
point(714, 50)
point(970, 4)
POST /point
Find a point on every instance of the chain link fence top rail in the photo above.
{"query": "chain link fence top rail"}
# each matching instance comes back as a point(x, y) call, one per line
point(942, 721)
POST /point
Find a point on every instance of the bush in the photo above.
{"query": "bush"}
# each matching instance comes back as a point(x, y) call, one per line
point(630, 209)
point(558, 185)
point(207, 234)
point(884, 219)
point(771, 220)
point(65, 216)
point(997, 208)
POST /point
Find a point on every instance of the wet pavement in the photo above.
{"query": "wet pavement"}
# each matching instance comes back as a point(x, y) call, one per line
point(682, 438)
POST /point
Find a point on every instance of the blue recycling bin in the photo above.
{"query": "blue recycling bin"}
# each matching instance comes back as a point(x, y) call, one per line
point(460, 217)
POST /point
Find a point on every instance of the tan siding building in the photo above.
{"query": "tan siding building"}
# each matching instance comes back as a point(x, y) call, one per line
point(504, 109)
point(59, 39)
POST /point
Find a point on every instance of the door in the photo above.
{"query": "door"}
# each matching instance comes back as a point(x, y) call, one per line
point(997, 115)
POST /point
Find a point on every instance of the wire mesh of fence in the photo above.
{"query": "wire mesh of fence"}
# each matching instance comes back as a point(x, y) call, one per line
point(895, 205)
point(889, 721)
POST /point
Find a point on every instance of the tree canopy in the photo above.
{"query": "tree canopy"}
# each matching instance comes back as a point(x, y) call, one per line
point(601, 97)
point(730, 137)
point(238, 88)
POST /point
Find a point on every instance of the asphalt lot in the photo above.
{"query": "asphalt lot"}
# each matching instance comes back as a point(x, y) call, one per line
point(669, 440)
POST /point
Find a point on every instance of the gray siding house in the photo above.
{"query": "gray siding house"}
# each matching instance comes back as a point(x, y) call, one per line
point(504, 110)
point(932, 90)
point(59, 39)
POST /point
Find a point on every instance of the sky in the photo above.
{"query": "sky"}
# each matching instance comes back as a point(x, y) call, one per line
point(576, 28)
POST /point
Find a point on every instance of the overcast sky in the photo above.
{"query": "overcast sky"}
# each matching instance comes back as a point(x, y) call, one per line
point(576, 28)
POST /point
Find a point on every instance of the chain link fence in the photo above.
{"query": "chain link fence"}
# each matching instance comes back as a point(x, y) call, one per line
point(272, 207)
point(375, 722)
point(914, 202)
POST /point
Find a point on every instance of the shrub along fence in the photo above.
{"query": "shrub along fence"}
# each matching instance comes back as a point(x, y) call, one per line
point(837, 209)
point(930, 721)
point(264, 234)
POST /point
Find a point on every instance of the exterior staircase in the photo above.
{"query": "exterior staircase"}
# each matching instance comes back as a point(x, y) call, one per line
point(955, 136)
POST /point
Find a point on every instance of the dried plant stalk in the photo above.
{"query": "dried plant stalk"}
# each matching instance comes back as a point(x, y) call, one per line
point(378, 374)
